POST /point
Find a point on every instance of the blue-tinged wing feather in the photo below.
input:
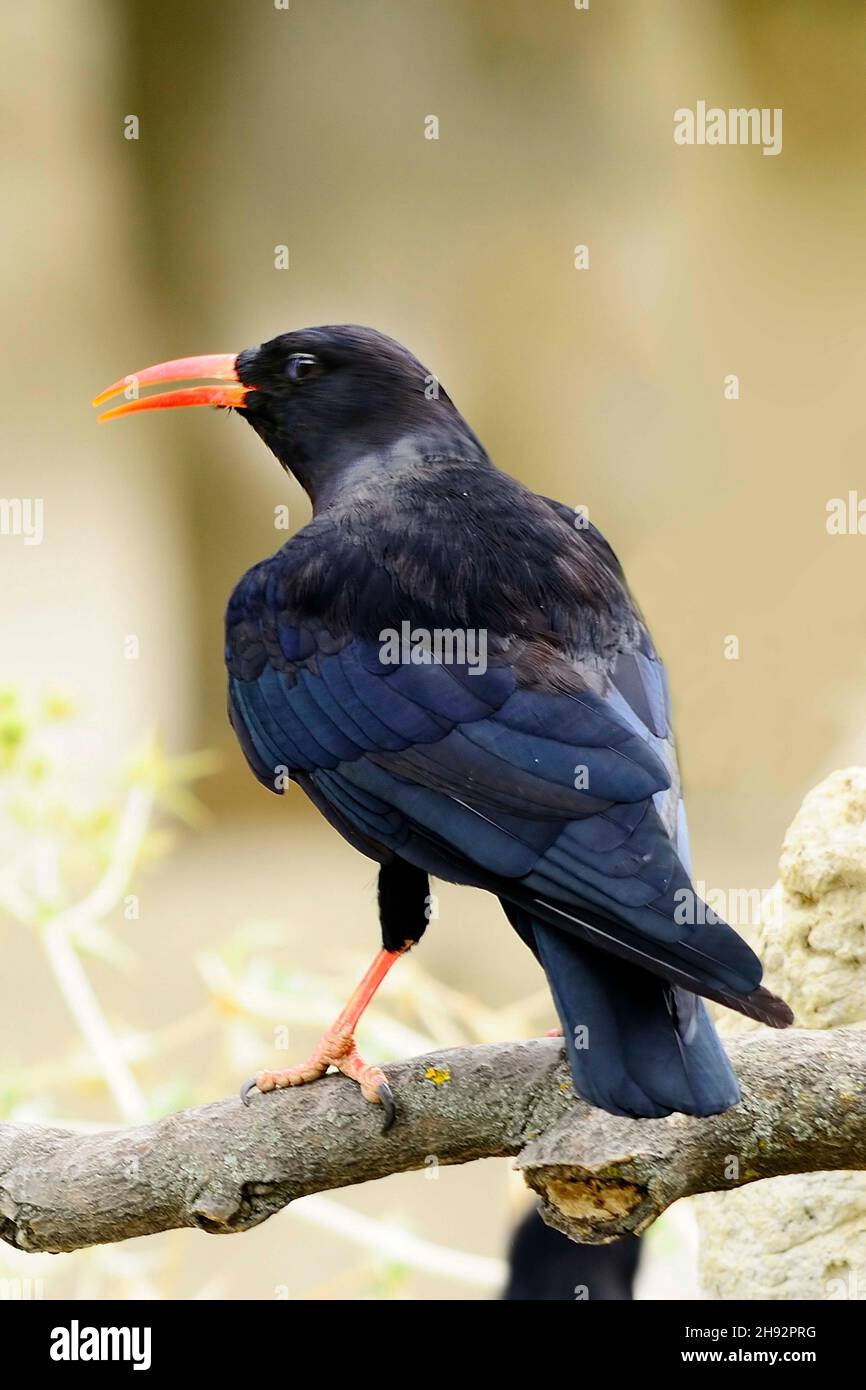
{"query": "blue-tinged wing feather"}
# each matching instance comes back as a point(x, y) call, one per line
point(561, 794)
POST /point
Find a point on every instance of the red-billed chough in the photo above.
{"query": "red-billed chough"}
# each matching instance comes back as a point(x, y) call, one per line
point(454, 670)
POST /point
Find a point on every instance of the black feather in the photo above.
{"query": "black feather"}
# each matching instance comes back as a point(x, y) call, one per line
point(442, 767)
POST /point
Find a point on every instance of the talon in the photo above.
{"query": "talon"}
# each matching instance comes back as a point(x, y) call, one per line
point(336, 1048)
point(389, 1105)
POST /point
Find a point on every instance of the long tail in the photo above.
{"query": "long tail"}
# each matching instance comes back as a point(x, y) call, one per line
point(639, 1045)
point(716, 964)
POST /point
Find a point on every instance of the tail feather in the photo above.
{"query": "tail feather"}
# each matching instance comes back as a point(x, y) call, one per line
point(640, 1042)
point(637, 1046)
point(679, 963)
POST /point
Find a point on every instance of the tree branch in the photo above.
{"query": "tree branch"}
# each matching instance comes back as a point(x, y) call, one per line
point(225, 1169)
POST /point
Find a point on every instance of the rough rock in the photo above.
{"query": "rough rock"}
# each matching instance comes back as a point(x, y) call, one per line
point(803, 1237)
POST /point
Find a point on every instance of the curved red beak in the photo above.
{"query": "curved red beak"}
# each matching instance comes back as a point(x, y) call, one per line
point(222, 365)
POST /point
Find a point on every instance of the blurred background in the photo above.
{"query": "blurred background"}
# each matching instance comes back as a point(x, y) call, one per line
point(225, 924)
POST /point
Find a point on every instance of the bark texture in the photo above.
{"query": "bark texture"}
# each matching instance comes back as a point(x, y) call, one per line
point(224, 1169)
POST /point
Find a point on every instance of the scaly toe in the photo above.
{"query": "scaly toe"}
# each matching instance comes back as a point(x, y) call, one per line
point(266, 1081)
point(337, 1048)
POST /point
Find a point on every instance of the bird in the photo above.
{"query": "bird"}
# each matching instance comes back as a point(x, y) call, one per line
point(546, 1266)
point(453, 668)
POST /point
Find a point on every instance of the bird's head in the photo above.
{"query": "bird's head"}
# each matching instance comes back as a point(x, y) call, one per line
point(327, 401)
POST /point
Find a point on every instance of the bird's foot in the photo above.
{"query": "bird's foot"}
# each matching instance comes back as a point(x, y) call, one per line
point(553, 1032)
point(337, 1049)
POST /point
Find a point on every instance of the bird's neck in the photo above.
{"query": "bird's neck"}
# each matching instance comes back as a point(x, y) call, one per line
point(335, 478)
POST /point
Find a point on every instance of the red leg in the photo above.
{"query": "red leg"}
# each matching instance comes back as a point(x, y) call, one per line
point(336, 1048)
point(365, 991)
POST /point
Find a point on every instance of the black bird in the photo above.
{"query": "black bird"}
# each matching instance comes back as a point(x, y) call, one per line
point(454, 670)
point(546, 1266)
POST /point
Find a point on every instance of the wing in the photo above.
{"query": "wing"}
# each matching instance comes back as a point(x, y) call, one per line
point(545, 777)
point(546, 784)
point(333, 711)
point(638, 691)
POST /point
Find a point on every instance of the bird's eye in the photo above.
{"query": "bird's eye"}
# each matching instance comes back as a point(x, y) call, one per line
point(302, 365)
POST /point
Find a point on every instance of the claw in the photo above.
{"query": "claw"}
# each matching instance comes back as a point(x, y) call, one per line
point(389, 1105)
point(246, 1088)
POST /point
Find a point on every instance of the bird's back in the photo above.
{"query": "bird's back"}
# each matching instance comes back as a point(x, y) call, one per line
point(548, 776)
